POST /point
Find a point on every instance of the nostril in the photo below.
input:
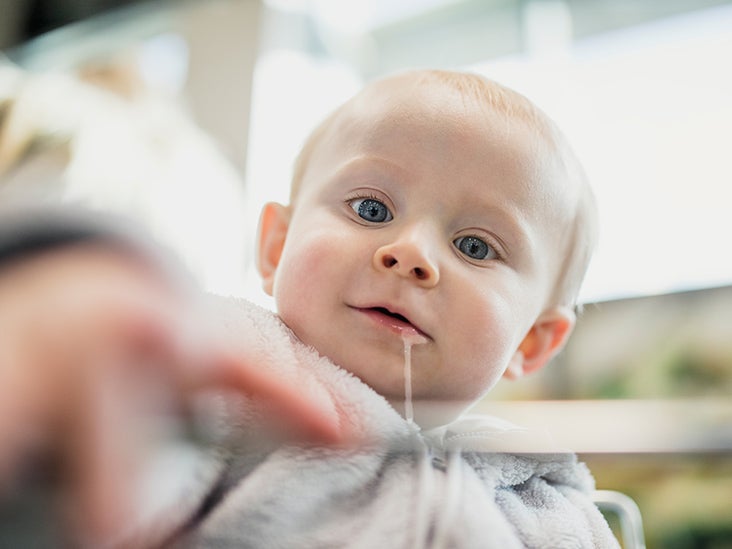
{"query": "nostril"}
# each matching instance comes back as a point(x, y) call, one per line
point(389, 261)
point(420, 273)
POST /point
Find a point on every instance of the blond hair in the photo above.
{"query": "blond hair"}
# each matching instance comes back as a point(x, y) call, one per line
point(579, 235)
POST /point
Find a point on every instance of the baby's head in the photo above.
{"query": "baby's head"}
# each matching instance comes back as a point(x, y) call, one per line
point(437, 206)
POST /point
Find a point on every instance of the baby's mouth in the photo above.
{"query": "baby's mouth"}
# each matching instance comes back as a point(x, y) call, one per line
point(396, 321)
point(387, 312)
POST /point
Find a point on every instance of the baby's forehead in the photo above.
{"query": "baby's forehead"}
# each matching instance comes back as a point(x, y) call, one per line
point(470, 109)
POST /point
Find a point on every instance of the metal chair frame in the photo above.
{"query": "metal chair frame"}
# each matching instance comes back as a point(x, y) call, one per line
point(628, 513)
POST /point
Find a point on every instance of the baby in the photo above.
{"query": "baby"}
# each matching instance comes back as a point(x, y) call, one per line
point(437, 205)
point(438, 232)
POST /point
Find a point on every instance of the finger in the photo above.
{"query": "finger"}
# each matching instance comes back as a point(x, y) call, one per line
point(175, 345)
point(102, 455)
point(195, 364)
point(309, 420)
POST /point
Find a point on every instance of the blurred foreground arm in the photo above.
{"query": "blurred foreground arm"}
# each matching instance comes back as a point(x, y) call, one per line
point(95, 341)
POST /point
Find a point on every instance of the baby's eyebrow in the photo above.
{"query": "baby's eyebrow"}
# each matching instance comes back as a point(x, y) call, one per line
point(367, 164)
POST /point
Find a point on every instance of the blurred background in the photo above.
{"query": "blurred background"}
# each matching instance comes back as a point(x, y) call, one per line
point(187, 115)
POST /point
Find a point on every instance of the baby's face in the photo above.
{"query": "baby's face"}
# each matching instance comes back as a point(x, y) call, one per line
point(421, 214)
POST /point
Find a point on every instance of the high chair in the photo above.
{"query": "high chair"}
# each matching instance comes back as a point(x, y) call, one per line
point(628, 514)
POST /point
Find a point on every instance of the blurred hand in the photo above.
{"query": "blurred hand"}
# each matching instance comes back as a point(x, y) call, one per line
point(93, 343)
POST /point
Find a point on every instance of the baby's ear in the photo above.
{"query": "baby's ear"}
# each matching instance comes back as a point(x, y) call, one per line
point(544, 340)
point(273, 224)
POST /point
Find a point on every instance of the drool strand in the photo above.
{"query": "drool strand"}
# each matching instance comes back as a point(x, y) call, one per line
point(409, 340)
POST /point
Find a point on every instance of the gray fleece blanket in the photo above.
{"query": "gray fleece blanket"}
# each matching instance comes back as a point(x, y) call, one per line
point(477, 483)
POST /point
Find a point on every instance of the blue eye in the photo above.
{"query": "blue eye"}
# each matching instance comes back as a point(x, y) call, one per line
point(371, 210)
point(475, 248)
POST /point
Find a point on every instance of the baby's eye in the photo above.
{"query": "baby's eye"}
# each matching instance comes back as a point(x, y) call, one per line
point(371, 210)
point(475, 248)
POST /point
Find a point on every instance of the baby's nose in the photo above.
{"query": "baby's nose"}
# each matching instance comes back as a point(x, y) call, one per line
point(409, 260)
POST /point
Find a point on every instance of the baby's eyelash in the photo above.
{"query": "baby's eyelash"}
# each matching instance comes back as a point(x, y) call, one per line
point(364, 196)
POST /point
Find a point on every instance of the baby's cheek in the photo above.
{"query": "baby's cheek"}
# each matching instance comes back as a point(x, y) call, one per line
point(305, 280)
point(294, 286)
point(317, 261)
point(487, 341)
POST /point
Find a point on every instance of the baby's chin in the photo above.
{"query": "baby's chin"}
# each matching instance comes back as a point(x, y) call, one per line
point(430, 414)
